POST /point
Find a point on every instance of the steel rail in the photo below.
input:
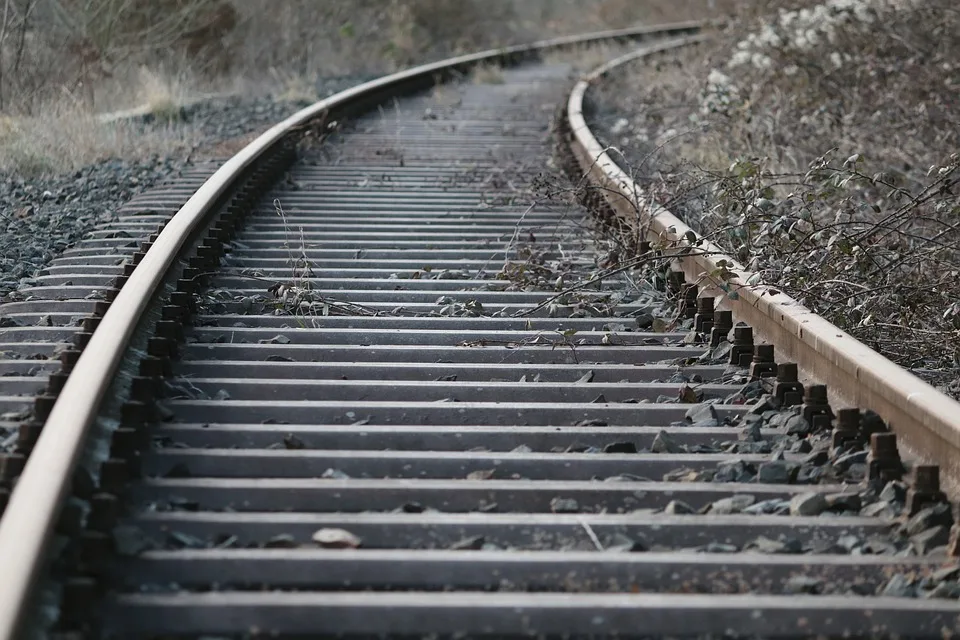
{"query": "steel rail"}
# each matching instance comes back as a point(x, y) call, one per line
point(928, 419)
point(35, 503)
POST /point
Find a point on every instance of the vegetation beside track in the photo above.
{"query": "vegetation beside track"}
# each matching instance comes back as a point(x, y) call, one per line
point(818, 144)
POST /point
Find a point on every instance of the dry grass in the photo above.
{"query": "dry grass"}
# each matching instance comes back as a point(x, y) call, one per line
point(65, 139)
point(61, 60)
point(487, 74)
point(162, 94)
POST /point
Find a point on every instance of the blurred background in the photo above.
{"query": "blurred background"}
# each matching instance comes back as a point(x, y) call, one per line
point(109, 54)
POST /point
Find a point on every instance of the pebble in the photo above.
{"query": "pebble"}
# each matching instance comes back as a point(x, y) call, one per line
point(564, 505)
point(949, 590)
point(776, 472)
point(843, 502)
point(734, 471)
point(803, 584)
point(751, 447)
point(928, 540)
point(678, 507)
point(684, 474)
point(808, 504)
point(331, 538)
point(703, 415)
point(845, 461)
point(733, 504)
point(281, 541)
point(664, 443)
point(620, 543)
point(751, 432)
point(899, 586)
point(894, 491)
point(766, 545)
point(939, 514)
point(769, 507)
point(798, 426)
point(620, 447)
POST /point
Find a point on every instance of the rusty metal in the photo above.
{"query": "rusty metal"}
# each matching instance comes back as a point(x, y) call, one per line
point(788, 389)
point(860, 375)
point(763, 365)
point(43, 485)
point(924, 489)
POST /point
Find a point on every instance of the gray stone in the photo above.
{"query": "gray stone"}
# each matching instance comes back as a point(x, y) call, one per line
point(331, 538)
point(849, 542)
point(678, 507)
point(620, 543)
point(803, 584)
point(948, 590)
point(899, 586)
point(926, 541)
point(752, 447)
point(769, 507)
point(797, 426)
point(843, 501)
point(808, 504)
point(939, 514)
point(879, 547)
point(620, 447)
point(763, 544)
point(894, 491)
point(775, 473)
point(733, 471)
point(703, 415)
point(281, 541)
point(664, 443)
point(947, 574)
point(751, 433)
point(764, 406)
point(817, 458)
point(878, 509)
point(733, 504)
point(801, 446)
point(683, 474)
point(856, 472)
point(843, 462)
point(721, 353)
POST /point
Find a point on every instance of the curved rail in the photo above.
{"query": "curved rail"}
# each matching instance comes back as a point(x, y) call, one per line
point(36, 501)
point(929, 420)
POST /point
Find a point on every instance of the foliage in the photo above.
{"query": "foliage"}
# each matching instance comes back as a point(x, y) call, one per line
point(817, 144)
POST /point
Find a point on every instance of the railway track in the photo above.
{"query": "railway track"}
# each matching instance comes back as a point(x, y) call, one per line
point(385, 382)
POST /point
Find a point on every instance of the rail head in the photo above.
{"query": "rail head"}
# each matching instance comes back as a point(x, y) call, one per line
point(928, 419)
point(37, 498)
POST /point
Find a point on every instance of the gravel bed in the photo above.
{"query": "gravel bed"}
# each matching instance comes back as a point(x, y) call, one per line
point(41, 217)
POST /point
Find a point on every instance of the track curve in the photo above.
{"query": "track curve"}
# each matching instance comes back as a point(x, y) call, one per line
point(364, 399)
